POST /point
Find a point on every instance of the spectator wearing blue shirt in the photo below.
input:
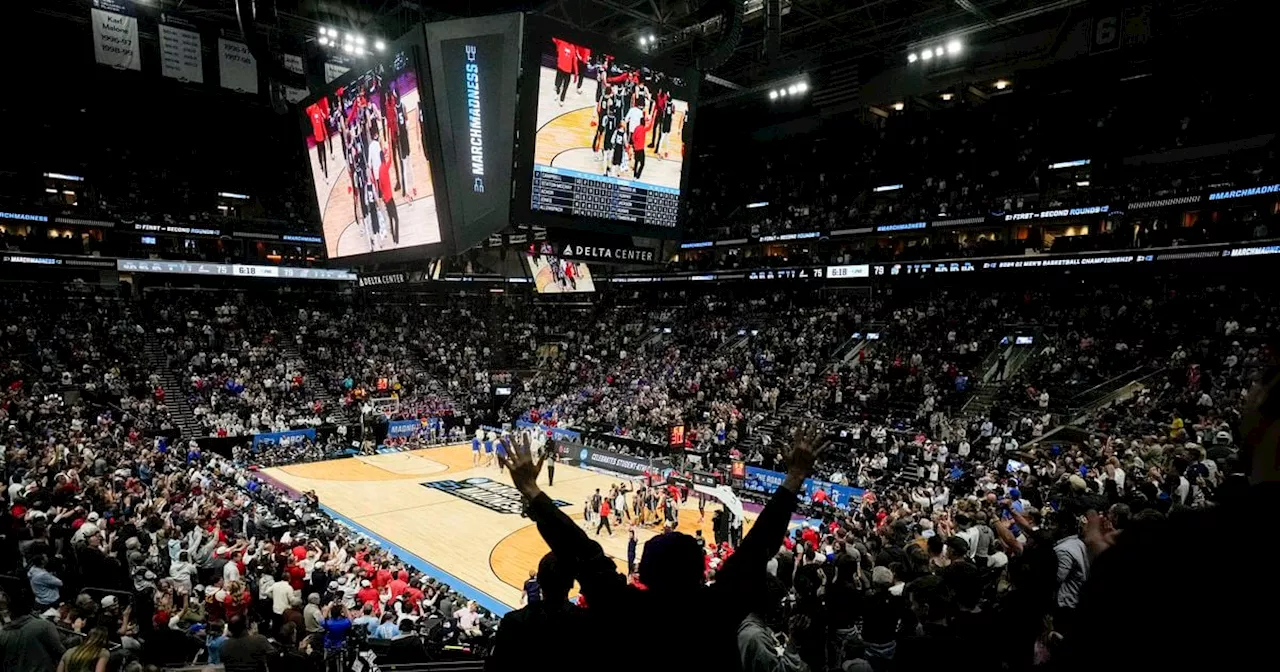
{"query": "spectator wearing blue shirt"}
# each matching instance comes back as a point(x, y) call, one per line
point(366, 619)
point(336, 627)
point(44, 585)
point(388, 629)
point(215, 637)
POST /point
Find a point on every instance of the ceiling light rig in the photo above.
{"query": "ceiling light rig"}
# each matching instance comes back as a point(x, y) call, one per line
point(952, 48)
point(791, 90)
point(350, 43)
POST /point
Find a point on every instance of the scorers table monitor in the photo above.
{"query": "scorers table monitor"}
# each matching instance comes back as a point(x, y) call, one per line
point(609, 132)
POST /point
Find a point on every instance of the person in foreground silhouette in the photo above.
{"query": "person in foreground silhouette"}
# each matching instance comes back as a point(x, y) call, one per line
point(524, 635)
point(1148, 605)
point(671, 568)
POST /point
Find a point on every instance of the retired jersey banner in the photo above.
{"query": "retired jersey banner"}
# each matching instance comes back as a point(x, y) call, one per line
point(180, 55)
point(333, 71)
point(293, 63)
point(115, 34)
point(237, 68)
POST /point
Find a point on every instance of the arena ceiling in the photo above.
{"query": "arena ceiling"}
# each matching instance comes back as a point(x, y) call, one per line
point(813, 36)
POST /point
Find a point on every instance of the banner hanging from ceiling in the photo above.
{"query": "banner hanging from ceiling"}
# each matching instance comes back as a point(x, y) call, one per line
point(115, 34)
point(180, 55)
point(237, 68)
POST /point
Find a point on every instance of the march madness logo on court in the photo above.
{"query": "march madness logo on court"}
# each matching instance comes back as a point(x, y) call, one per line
point(492, 495)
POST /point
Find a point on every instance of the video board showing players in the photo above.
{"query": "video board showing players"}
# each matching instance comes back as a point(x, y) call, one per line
point(610, 135)
point(553, 275)
point(370, 164)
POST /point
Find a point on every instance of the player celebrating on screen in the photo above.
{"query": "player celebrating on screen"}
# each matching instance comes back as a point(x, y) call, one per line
point(583, 64)
point(637, 145)
point(319, 114)
point(619, 144)
point(566, 66)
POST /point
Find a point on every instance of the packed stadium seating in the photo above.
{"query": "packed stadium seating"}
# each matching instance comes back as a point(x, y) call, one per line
point(90, 430)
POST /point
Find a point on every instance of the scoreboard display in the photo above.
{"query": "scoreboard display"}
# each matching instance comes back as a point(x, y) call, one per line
point(604, 133)
point(463, 127)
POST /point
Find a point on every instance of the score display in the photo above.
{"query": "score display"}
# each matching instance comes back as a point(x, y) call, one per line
point(607, 134)
point(577, 194)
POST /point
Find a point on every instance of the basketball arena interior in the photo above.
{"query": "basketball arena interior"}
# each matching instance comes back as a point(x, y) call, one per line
point(758, 335)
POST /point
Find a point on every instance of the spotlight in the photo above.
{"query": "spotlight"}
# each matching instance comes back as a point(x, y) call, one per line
point(953, 47)
point(331, 32)
point(912, 58)
point(947, 96)
point(642, 40)
point(1001, 84)
point(652, 39)
point(348, 48)
point(802, 86)
point(926, 55)
point(792, 89)
point(782, 92)
point(324, 41)
point(360, 41)
point(899, 106)
point(380, 45)
point(938, 52)
point(773, 95)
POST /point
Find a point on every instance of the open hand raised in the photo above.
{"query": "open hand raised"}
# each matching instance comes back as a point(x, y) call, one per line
point(524, 467)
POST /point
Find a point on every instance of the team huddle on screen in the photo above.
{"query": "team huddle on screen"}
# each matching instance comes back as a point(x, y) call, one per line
point(372, 131)
point(634, 106)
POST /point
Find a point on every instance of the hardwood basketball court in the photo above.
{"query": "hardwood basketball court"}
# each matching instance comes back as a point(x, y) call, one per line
point(440, 514)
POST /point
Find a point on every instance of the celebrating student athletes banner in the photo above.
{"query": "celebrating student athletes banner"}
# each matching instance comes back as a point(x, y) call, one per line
point(630, 465)
point(115, 34)
point(237, 68)
point(180, 54)
point(767, 481)
point(284, 438)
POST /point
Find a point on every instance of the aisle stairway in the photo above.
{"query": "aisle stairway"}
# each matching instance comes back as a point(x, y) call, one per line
point(175, 393)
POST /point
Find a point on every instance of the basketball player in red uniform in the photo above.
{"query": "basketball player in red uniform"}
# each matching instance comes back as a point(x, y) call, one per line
point(566, 66)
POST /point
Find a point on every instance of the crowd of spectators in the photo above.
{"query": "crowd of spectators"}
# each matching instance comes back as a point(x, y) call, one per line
point(965, 157)
point(116, 529)
point(123, 545)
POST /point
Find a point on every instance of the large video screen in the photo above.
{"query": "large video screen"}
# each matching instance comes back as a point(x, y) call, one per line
point(610, 134)
point(553, 275)
point(474, 64)
point(369, 161)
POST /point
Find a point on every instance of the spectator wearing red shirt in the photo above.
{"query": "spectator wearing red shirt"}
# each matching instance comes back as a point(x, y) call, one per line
point(382, 577)
point(368, 595)
point(399, 584)
point(296, 575)
point(237, 601)
point(810, 537)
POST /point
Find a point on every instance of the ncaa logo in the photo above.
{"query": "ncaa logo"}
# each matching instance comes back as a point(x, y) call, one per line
point(582, 456)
